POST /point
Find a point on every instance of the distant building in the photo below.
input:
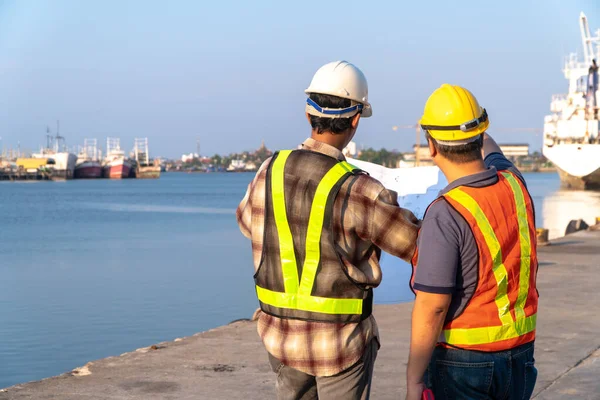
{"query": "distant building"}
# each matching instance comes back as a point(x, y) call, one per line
point(189, 157)
point(237, 165)
point(350, 150)
point(514, 150)
point(422, 152)
point(409, 157)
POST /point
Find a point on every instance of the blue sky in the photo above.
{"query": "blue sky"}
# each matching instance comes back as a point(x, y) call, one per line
point(231, 73)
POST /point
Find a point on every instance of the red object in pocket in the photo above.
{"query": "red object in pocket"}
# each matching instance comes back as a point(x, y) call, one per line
point(428, 395)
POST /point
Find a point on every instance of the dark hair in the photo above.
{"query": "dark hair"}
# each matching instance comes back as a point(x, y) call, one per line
point(460, 154)
point(333, 125)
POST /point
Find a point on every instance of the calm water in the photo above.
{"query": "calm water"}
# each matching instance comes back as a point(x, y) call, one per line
point(91, 269)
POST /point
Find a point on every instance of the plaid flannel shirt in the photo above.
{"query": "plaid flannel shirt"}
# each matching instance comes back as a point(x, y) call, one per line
point(367, 218)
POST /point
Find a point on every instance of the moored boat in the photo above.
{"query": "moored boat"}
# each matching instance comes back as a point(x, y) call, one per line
point(88, 170)
point(88, 165)
point(144, 168)
point(148, 172)
point(116, 165)
point(63, 166)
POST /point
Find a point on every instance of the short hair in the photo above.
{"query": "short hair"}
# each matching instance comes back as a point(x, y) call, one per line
point(460, 154)
point(333, 125)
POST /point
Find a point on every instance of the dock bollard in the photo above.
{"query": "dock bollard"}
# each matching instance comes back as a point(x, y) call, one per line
point(542, 236)
point(596, 227)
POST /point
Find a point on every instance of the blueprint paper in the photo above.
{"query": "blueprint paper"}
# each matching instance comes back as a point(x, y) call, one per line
point(416, 187)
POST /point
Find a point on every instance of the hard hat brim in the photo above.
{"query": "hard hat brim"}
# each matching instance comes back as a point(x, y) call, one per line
point(367, 111)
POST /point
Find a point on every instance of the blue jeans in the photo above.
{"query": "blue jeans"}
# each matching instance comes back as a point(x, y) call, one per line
point(464, 374)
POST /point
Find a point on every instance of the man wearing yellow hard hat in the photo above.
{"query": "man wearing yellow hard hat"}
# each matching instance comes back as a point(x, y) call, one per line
point(474, 273)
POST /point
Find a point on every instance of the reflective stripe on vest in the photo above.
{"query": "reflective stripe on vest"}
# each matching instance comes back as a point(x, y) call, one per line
point(297, 293)
point(511, 327)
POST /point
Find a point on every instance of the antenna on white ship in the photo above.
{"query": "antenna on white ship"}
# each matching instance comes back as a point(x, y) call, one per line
point(59, 139)
point(48, 138)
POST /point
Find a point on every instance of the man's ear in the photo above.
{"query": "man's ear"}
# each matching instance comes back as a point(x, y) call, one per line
point(308, 118)
point(432, 149)
point(355, 121)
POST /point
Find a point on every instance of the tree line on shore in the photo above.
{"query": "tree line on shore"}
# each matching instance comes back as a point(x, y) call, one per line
point(387, 158)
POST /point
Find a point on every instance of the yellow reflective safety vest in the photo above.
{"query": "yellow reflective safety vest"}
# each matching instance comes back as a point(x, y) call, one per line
point(301, 275)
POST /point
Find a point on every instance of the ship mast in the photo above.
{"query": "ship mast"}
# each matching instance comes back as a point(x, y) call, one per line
point(59, 140)
point(588, 41)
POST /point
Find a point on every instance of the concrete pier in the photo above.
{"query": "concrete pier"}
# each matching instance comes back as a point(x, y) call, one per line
point(230, 362)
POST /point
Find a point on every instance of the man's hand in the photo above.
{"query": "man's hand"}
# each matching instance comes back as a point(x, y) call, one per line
point(414, 391)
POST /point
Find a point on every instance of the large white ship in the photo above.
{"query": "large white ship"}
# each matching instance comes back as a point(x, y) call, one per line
point(571, 139)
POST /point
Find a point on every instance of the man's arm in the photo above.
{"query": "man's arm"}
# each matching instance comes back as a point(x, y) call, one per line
point(429, 313)
point(489, 146)
point(243, 213)
point(494, 157)
point(392, 228)
point(434, 283)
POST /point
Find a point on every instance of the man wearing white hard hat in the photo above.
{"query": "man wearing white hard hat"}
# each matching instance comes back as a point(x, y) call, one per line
point(317, 226)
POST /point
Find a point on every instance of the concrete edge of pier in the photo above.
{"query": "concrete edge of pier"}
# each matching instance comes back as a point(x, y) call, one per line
point(230, 362)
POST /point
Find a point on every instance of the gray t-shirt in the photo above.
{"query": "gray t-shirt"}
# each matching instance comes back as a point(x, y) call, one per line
point(448, 259)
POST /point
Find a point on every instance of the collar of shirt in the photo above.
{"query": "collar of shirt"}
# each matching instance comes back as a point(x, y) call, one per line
point(323, 148)
point(480, 179)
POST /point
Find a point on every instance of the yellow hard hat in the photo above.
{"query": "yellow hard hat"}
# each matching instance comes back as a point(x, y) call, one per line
point(452, 114)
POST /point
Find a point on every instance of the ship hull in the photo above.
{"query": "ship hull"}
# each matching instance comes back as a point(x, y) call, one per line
point(88, 170)
point(587, 182)
point(148, 172)
point(578, 165)
point(61, 174)
point(117, 169)
point(63, 166)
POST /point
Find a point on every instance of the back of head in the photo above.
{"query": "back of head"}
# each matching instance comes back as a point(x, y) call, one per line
point(454, 122)
point(338, 91)
point(459, 154)
point(328, 124)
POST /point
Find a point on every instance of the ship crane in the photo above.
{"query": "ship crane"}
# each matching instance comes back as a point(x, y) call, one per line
point(588, 41)
point(589, 58)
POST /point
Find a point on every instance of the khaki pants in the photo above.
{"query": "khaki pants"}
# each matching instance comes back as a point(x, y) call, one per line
point(351, 384)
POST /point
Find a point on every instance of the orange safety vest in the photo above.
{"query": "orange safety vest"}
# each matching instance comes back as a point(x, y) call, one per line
point(501, 315)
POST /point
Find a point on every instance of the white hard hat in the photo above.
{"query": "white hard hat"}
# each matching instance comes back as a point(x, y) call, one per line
point(341, 79)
